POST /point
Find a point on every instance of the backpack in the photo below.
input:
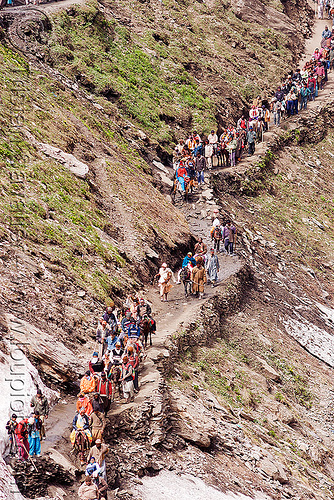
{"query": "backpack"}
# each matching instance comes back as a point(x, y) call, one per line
point(217, 234)
point(185, 274)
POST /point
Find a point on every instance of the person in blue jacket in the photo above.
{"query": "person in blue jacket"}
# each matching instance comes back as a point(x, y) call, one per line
point(188, 259)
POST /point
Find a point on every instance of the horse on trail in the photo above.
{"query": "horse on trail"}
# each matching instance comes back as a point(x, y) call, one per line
point(189, 185)
point(81, 445)
point(147, 327)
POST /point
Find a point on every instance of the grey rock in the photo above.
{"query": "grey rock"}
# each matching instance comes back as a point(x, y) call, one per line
point(56, 360)
point(268, 371)
point(274, 470)
point(285, 415)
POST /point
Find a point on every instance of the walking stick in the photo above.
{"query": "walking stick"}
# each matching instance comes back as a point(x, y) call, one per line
point(30, 458)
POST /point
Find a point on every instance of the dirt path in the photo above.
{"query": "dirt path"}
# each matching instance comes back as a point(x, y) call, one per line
point(312, 107)
point(170, 317)
point(48, 7)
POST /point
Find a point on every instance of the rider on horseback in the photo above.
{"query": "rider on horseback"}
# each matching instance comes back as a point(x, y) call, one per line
point(144, 309)
point(80, 425)
point(180, 174)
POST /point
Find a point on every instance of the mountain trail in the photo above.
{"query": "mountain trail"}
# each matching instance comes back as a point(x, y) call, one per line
point(325, 96)
point(178, 311)
point(170, 317)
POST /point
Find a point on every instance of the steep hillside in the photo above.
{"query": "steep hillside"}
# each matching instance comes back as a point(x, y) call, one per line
point(176, 66)
point(106, 231)
point(236, 394)
point(248, 403)
point(75, 88)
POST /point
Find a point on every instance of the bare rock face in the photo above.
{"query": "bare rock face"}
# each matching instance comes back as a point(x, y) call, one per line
point(33, 482)
point(285, 415)
point(274, 470)
point(193, 434)
point(194, 422)
point(61, 460)
point(69, 161)
point(254, 11)
point(50, 356)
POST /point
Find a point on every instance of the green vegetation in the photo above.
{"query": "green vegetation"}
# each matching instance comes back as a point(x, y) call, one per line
point(55, 210)
point(167, 76)
point(105, 59)
point(296, 386)
point(67, 218)
point(210, 364)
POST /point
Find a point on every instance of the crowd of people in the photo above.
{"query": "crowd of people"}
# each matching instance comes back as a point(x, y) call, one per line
point(200, 266)
point(112, 374)
point(227, 147)
point(25, 436)
point(326, 8)
point(123, 335)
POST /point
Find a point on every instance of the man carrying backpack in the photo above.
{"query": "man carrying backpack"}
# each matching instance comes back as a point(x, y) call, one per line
point(216, 237)
point(185, 277)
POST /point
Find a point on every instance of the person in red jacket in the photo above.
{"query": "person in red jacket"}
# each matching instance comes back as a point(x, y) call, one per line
point(181, 173)
point(21, 432)
point(104, 389)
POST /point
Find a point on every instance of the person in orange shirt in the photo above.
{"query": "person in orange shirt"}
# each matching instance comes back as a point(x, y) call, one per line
point(84, 402)
point(88, 383)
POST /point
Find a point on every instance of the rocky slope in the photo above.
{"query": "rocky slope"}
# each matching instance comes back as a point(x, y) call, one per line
point(171, 67)
point(242, 395)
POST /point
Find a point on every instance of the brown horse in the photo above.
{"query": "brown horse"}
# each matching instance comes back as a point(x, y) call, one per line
point(115, 377)
point(81, 445)
point(145, 328)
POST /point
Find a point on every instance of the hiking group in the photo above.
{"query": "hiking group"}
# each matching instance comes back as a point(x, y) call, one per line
point(112, 374)
point(122, 335)
point(25, 435)
point(200, 266)
point(226, 147)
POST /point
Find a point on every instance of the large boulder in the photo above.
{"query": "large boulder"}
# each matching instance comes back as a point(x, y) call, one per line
point(194, 422)
point(274, 470)
point(285, 415)
point(268, 371)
